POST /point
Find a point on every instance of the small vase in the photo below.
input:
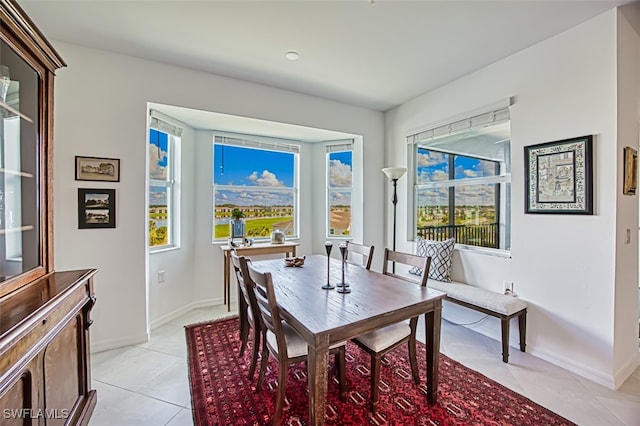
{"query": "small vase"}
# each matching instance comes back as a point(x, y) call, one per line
point(237, 228)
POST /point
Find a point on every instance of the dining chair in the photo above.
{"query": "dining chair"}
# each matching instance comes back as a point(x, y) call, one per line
point(365, 251)
point(379, 342)
point(282, 341)
point(250, 317)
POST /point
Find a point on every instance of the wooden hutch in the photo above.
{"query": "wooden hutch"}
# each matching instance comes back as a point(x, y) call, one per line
point(44, 315)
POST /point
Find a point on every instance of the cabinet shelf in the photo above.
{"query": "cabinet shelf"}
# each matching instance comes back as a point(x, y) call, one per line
point(15, 111)
point(16, 229)
point(15, 172)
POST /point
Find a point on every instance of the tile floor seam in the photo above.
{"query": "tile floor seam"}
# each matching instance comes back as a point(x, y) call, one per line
point(141, 394)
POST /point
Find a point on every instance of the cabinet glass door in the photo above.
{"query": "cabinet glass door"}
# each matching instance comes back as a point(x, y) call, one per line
point(19, 166)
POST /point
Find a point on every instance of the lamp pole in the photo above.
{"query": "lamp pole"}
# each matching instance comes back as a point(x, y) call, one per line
point(395, 202)
point(394, 173)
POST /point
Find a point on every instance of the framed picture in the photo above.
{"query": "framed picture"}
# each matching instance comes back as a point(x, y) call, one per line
point(98, 169)
point(630, 182)
point(96, 208)
point(559, 176)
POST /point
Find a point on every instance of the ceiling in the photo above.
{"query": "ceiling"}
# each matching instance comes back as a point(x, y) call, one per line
point(376, 54)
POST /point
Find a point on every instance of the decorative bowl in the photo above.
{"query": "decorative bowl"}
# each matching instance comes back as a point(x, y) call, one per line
point(294, 261)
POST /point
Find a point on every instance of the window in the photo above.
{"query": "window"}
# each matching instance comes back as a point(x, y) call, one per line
point(339, 189)
point(260, 178)
point(462, 181)
point(164, 141)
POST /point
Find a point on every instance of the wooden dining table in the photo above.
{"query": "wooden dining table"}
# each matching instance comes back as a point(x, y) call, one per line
point(324, 317)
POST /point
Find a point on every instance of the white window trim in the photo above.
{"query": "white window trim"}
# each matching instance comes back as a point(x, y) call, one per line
point(264, 143)
point(338, 146)
point(173, 128)
point(433, 130)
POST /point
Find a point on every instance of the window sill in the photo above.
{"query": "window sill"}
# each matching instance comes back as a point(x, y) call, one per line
point(255, 241)
point(163, 249)
point(485, 251)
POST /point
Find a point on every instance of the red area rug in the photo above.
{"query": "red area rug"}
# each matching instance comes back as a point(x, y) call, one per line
point(222, 393)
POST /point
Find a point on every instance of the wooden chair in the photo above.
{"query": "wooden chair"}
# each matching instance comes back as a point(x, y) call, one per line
point(282, 341)
point(379, 342)
point(250, 317)
point(365, 251)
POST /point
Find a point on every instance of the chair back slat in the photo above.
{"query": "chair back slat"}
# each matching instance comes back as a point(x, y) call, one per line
point(365, 251)
point(246, 286)
point(410, 260)
point(266, 298)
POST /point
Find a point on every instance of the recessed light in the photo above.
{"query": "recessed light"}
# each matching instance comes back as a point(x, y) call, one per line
point(292, 55)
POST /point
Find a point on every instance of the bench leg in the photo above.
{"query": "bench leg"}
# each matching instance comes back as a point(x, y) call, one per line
point(505, 339)
point(522, 324)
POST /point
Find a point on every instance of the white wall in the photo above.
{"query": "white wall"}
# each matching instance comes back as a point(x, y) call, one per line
point(563, 265)
point(100, 110)
point(626, 291)
point(176, 294)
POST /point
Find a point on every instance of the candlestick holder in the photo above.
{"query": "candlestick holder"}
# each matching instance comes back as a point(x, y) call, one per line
point(342, 287)
point(328, 246)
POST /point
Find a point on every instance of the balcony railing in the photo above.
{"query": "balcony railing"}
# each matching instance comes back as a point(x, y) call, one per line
point(472, 235)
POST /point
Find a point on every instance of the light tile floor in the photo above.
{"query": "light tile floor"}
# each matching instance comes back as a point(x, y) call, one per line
point(147, 384)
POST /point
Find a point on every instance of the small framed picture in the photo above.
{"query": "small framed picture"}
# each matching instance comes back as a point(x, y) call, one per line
point(630, 183)
point(98, 169)
point(96, 208)
point(559, 176)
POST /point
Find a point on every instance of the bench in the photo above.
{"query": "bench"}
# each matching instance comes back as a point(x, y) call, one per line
point(490, 303)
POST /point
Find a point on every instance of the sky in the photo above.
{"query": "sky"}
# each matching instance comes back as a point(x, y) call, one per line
point(252, 167)
point(158, 154)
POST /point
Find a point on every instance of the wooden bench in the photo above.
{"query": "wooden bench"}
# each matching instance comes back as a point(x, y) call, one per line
point(490, 303)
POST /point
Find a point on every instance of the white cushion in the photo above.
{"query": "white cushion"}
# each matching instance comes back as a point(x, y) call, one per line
point(488, 299)
point(296, 345)
point(382, 338)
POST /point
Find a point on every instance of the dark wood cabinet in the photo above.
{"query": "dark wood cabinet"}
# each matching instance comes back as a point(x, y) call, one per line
point(44, 315)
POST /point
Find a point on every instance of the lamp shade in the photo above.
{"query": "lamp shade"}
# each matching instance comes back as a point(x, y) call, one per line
point(394, 172)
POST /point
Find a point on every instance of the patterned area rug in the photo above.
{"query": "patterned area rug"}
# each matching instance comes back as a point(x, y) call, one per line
point(222, 393)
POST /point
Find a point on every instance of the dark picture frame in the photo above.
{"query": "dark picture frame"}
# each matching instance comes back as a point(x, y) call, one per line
point(96, 208)
point(630, 179)
point(98, 169)
point(559, 176)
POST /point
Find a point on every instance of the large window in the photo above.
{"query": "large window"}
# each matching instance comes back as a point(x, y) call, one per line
point(339, 189)
point(462, 183)
point(164, 142)
point(259, 178)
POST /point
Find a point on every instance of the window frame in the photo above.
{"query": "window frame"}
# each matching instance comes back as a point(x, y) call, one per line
point(488, 116)
point(452, 183)
point(171, 185)
point(331, 190)
point(266, 144)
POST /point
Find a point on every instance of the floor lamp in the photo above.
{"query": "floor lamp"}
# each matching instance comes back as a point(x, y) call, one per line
point(394, 173)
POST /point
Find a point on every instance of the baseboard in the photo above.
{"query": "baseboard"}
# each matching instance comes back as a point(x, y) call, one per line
point(491, 328)
point(626, 370)
point(576, 368)
point(106, 345)
point(181, 311)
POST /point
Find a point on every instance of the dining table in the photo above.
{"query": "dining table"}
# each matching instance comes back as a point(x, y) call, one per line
point(324, 317)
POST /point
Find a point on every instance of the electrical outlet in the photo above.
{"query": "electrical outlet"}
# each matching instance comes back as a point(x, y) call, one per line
point(507, 285)
point(161, 276)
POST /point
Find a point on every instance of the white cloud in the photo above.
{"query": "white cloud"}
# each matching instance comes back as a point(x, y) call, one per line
point(266, 179)
point(430, 159)
point(339, 174)
point(156, 171)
